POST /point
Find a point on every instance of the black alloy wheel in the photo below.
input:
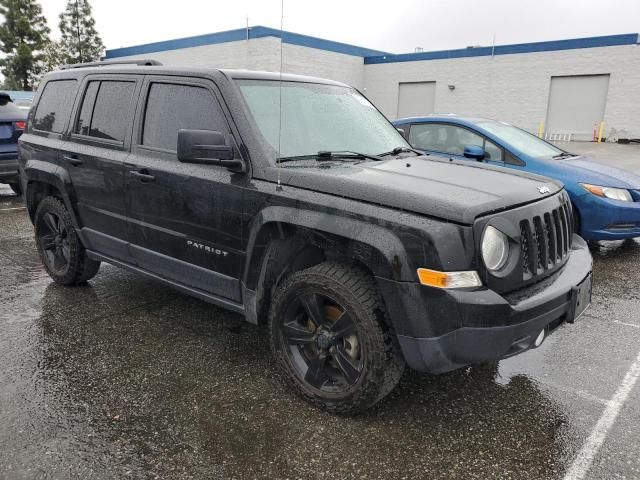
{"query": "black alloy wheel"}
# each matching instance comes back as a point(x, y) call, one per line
point(322, 342)
point(54, 241)
point(61, 250)
point(331, 337)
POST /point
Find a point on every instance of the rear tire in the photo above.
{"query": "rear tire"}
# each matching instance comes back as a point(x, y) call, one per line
point(16, 188)
point(330, 337)
point(61, 251)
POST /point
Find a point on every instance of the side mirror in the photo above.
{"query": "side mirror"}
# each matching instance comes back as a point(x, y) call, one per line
point(402, 132)
point(207, 147)
point(474, 151)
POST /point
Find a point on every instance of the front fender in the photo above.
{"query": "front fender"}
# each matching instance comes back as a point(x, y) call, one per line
point(386, 244)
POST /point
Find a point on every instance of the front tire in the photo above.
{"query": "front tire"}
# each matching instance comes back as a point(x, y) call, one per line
point(16, 188)
point(61, 251)
point(331, 339)
point(576, 221)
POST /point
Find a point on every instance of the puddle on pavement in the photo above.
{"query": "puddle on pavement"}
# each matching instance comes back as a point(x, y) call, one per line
point(125, 377)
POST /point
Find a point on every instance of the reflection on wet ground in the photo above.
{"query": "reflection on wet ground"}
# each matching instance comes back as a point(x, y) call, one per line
point(126, 378)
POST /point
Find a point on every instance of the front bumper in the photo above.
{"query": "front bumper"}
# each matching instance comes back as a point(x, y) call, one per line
point(441, 330)
point(606, 219)
point(9, 167)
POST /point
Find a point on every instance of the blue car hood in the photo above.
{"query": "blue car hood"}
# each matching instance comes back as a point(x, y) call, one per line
point(584, 170)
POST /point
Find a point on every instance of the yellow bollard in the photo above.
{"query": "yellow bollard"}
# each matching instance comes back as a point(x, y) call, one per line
point(541, 130)
point(600, 132)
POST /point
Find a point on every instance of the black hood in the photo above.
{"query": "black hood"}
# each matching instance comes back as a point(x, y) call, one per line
point(458, 191)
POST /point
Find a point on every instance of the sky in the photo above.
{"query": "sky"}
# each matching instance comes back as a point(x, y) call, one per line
point(392, 26)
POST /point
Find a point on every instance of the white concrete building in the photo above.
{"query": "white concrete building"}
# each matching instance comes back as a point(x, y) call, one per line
point(568, 86)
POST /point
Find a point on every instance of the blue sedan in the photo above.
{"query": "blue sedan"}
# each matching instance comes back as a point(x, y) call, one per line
point(606, 200)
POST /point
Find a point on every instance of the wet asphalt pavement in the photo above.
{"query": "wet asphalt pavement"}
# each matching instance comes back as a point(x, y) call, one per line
point(124, 378)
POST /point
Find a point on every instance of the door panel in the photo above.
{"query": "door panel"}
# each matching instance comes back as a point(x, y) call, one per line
point(184, 219)
point(97, 174)
point(95, 158)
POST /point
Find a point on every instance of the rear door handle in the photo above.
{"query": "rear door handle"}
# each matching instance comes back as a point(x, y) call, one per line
point(143, 175)
point(73, 160)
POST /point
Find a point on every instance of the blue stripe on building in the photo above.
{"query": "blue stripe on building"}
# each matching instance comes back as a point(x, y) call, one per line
point(241, 34)
point(551, 46)
point(371, 56)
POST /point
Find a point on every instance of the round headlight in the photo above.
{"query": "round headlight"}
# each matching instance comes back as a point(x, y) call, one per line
point(495, 248)
point(617, 194)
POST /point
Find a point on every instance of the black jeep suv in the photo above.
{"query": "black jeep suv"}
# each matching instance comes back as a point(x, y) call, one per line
point(292, 201)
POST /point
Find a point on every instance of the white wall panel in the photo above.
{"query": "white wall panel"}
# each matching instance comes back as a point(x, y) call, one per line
point(416, 98)
point(577, 105)
point(515, 88)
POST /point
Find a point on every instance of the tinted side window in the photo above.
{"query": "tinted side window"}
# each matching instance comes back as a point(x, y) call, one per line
point(493, 151)
point(404, 129)
point(173, 107)
point(466, 137)
point(111, 110)
point(54, 107)
point(84, 120)
point(443, 138)
point(424, 136)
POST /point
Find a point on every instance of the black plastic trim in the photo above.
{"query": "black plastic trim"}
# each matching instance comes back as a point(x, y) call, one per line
point(207, 297)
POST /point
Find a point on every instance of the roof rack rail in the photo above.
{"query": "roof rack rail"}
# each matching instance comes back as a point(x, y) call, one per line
point(143, 62)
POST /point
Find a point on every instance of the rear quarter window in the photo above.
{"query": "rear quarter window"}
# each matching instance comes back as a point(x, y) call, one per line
point(54, 107)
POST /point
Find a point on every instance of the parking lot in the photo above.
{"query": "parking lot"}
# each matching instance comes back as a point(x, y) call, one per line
point(126, 378)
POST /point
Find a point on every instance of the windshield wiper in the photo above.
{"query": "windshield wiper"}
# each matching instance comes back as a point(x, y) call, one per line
point(346, 154)
point(326, 155)
point(564, 155)
point(399, 150)
point(296, 158)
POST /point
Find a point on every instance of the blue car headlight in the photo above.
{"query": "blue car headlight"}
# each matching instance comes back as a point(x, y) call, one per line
point(609, 192)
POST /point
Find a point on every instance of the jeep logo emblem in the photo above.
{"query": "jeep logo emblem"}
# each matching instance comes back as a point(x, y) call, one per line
point(544, 189)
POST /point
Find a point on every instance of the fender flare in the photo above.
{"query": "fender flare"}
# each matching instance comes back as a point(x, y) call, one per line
point(380, 239)
point(38, 171)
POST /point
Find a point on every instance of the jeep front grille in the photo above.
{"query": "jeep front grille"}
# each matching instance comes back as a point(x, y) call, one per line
point(545, 241)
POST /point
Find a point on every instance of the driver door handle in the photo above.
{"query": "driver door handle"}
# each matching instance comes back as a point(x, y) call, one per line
point(143, 175)
point(73, 160)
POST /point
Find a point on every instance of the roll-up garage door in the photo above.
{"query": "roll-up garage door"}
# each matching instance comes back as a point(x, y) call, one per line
point(416, 98)
point(576, 104)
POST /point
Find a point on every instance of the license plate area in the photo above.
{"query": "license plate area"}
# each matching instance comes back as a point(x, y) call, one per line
point(6, 131)
point(580, 299)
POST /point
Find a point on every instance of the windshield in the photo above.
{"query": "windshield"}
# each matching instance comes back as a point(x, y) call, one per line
point(23, 104)
point(521, 140)
point(318, 117)
point(7, 107)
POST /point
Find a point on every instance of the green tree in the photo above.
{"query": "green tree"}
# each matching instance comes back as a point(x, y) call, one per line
point(80, 41)
point(23, 36)
point(52, 58)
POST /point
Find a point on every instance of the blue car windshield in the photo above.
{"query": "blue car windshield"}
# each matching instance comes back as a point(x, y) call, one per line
point(520, 140)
